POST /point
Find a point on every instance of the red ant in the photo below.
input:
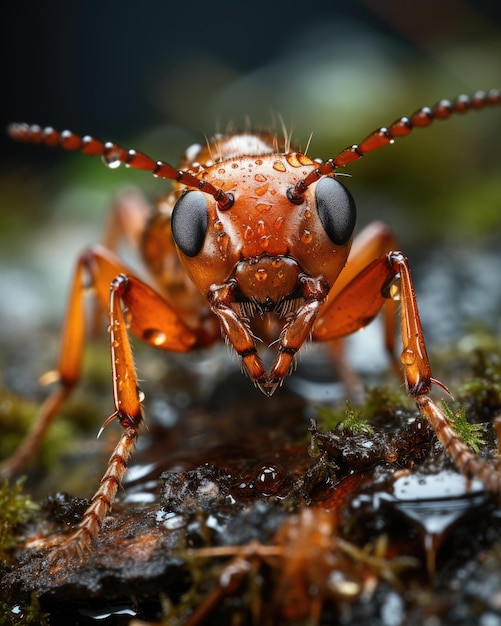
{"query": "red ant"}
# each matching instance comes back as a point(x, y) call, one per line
point(254, 241)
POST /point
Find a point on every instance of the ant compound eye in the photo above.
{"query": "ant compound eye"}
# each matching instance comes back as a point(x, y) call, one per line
point(336, 209)
point(189, 221)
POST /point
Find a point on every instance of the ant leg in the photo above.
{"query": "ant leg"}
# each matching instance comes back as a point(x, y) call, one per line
point(418, 380)
point(66, 374)
point(128, 411)
point(128, 218)
point(133, 307)
point(96, 269)
point(87, 275)
point(357, 304)
point(127, 221)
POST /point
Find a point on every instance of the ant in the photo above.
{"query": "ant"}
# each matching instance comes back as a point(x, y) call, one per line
point(254, 242)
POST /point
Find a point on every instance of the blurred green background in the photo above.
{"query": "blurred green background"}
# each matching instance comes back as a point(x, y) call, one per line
point(158, 76)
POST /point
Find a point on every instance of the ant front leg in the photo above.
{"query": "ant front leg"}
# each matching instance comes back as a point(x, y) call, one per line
point(66, 374)
point(128, 218)
point(89, 273)
point(127, 221)
point(357, 304)
point(418, 380)
point(133, 306)
point(128, 411)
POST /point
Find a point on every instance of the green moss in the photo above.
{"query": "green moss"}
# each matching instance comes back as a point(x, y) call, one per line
point(468, 433)
point(385, 400)
point(349, 419)
point(17, 416)
point(485, 384)
point(15, 508)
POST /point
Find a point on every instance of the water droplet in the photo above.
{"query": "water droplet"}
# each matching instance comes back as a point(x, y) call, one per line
point(262, 207)
point(102, 614)
point(111, 160)
point(395, 290)
point(307, 213)
point(260, 191)
point(279, 222)
point(140, 395)
point(391, 289)
point(261, 229)
point(268, 478)
point(154, 336)
point(292, 159)
point(223, 241)
point(261, 275)
point(408, 357)
point(276, 263)
point(279, 166)
point(304, 160)
point(127, 318)
point(306, 237)
point(248, 233)
point(435, 503)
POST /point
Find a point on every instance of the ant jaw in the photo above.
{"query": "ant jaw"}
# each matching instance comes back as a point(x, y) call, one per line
point(267, 386)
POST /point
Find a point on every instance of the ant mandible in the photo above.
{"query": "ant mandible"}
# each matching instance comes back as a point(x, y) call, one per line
point(254, 241)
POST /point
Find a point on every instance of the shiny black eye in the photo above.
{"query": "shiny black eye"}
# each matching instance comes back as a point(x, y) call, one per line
point(189, 221)
point(336, 209)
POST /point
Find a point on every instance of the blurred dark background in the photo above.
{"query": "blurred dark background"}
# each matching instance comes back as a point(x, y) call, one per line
point(159, 75)
point(123, 67)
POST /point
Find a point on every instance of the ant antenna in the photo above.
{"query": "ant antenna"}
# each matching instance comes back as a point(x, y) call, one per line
point(422, 118)
point(113, 155)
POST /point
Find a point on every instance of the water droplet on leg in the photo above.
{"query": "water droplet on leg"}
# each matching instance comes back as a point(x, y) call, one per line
point(111, 161)
point(154, 336)
point(408, 357)
point(391, 289)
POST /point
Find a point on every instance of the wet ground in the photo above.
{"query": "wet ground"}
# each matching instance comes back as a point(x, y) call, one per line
point(239, 509)
point(244, 510)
